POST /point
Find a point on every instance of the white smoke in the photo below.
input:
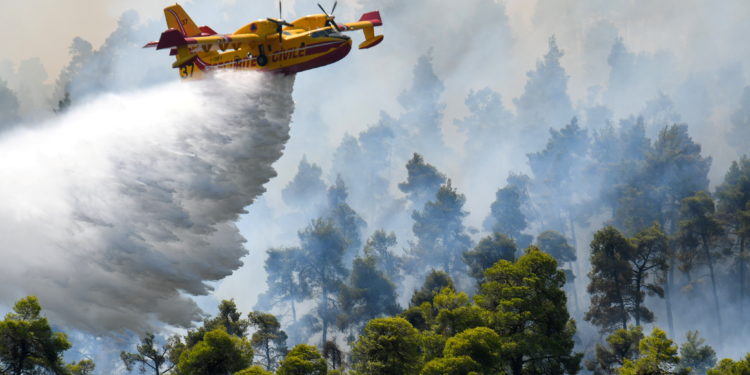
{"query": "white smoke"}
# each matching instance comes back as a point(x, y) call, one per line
point(118, 211)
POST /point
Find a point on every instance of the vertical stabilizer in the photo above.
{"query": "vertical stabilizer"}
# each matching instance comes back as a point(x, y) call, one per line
point(178, 19)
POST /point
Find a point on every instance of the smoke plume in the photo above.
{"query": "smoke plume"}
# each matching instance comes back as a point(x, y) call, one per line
point(114, 213)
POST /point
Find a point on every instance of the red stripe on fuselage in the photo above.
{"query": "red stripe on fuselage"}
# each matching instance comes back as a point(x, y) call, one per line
point(342, 49)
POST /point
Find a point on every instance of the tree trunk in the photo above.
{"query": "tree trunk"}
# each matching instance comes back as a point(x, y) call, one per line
point(325, 317)
point(268, 354)
point(713, 283)
point(623, 311)
point(668, 295)
point(577, 263)
point(516, 366)
point(637, 313)
point(742, 278)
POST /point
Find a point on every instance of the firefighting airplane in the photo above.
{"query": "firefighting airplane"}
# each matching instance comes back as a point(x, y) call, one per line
point(271, 44)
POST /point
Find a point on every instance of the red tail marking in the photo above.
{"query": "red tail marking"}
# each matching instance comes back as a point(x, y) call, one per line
point(373, 17)
point(171, 38)
point(207, 31)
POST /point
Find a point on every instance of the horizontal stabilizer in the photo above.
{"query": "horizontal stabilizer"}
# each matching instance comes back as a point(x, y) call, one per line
point(171, 38)
point(372, 42)
point(372, 17)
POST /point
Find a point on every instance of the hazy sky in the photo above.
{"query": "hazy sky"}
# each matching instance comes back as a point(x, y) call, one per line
point(45, 28)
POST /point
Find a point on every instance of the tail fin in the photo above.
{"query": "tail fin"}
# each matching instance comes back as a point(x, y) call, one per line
point(178, 19)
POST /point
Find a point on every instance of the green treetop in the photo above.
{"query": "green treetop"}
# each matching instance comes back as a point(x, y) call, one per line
point(610, 276)
point(27, 343)
point(83, 367)
point(658, 356)
point(481, 344)
point(268, 340)
point(440, 232)
point(526, 307)
point(219, 353)
point(368, 294)
point(387, 346)
point(489, 250)
point(622, 345)
point(303, 360)
point(696, 355)
point(463, 365)
point(150, 357)
point(730, 367)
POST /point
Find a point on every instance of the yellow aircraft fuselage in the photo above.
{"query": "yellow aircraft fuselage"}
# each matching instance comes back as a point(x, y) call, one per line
point(307, 43)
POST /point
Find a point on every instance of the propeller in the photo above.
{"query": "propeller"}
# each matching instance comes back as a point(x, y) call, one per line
point(330, 17)
point(280, 23)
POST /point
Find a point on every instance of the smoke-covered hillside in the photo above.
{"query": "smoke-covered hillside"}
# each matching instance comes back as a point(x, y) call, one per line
point(609, 136)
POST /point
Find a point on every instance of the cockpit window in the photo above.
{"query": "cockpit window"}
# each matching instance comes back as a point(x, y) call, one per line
point(329, 33)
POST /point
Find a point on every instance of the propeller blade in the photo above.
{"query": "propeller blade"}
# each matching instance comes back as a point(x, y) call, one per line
point(334, 6)
point(321, 8)
point(280, 16)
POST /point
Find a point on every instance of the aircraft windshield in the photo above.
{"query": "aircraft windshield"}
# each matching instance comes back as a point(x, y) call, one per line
point(328, 33)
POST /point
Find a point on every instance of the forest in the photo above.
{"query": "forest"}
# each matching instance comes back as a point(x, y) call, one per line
point(609, 249)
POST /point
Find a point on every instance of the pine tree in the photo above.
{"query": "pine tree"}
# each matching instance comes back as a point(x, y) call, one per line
point(734, 212)
point(378, 248)
point(677, 170)
point(649, 260)
point(526, 307)
point(657, 356)
point(695, 355)
point(420, 125)
point(323, 247)
point(28, 345)
point(284, 269)
point(8, 106)
point(489, 251)
point(345, 219)
point(151, 357)
point(700, 229)
point(544, 102)
point(368, 294)
point(306, 191)
point(610, 276)
point(622, 345)
point(440, 232)
point(422, 183)
point(506, 215)
point(556, 170)
point(739, 135)
point(268, 340)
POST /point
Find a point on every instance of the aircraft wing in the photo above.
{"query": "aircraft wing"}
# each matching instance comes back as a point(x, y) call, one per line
point(367, 24)
point(173, 39)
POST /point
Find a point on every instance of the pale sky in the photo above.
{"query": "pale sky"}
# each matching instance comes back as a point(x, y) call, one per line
point(44, 28)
